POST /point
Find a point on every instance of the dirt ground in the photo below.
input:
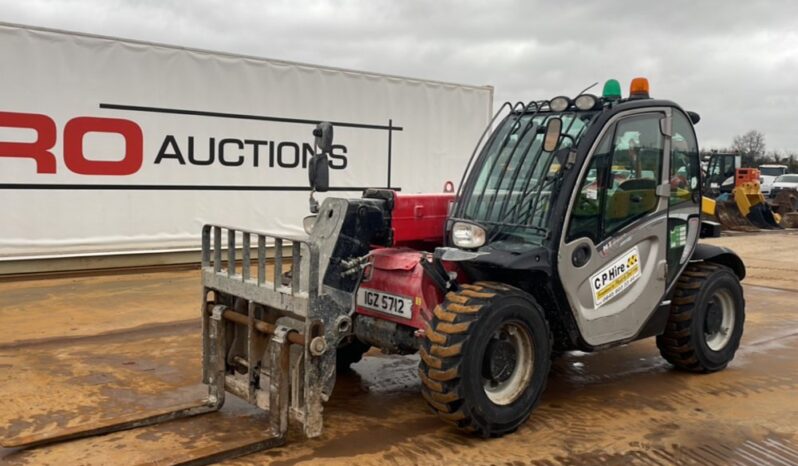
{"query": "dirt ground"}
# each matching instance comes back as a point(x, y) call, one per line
point(77, 350)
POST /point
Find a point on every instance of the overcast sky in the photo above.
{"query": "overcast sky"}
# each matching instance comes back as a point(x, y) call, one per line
point(734, 62)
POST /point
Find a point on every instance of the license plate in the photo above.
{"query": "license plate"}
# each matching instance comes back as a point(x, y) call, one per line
point(385, 302)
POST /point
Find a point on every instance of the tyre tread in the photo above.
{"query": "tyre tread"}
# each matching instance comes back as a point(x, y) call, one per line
point(445, 337)
point(676, 344)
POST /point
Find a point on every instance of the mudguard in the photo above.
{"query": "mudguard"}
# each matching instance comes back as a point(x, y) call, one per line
point(719, 255)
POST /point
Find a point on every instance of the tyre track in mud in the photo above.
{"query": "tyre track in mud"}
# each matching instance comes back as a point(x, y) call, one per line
point(147, 330)
point(776, 451)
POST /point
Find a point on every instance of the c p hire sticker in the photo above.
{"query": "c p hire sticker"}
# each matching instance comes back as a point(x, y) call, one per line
point(615, 278)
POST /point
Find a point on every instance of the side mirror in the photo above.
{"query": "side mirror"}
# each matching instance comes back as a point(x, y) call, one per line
point(318, 168)
point(318, 165)
point(553, 131)
point(324, 136)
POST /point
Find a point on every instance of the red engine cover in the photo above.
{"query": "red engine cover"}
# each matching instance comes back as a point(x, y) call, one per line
point(417, 220)
point(395, 288)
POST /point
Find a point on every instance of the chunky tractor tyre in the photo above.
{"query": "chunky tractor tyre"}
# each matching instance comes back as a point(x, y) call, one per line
point(350, 353)
point(485, 358)
point(706, 319)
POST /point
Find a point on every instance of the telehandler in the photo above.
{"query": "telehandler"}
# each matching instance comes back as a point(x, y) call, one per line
point(575, 226)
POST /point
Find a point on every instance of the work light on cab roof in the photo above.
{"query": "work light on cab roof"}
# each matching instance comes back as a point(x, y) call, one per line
point(586, 102)
point(582, 102)
point(559, 104)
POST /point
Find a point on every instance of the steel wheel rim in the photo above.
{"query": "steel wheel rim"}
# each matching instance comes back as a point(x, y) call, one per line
point(506, 392)
point(718, 340)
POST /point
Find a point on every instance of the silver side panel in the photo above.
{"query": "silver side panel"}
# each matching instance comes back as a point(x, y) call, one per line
point(622, 316)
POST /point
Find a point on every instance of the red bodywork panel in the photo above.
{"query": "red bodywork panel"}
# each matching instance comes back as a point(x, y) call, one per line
point(417, 224)
point(398, 272)
point(417, 220)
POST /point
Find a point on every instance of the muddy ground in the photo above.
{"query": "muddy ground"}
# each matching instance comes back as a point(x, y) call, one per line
point(77, 350)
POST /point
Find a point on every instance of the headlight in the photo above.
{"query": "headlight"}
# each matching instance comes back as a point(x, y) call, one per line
point(467, 235)
point(585, 102)
point(559, 104)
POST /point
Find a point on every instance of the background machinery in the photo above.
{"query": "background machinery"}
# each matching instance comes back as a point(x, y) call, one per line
point(736, 199)
point(576, 226)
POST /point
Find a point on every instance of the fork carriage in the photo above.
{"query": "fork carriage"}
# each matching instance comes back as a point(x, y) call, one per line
point(264, 341)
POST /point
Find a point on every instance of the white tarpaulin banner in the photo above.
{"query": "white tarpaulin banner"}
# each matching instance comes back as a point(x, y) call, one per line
point(111, 145)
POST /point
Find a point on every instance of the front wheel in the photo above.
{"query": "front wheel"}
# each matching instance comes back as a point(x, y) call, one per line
point(706, 320)
point(485, 358)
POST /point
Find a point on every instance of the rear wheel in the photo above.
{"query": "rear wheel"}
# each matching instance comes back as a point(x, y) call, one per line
point(485, 358)
point(706, 320)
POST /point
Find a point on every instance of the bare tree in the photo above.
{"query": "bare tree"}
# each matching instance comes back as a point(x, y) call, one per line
point(750, 145)
point(791, 160)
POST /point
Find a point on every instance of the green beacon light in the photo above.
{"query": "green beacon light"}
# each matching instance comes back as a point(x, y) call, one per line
point(612, 90)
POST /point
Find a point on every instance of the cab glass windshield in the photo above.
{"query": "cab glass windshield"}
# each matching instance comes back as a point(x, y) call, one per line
point(510, 189)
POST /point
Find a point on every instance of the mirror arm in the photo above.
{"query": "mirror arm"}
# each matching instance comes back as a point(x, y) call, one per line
point(313, 204)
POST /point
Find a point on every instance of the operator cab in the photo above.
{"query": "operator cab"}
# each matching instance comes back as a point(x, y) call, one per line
point(607, 216)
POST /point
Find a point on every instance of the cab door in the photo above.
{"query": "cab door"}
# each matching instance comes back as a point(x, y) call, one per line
point(684, 211)
point(613, 256)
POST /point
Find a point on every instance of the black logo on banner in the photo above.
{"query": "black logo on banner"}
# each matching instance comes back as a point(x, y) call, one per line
point(230, 152)
point(247, 152)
